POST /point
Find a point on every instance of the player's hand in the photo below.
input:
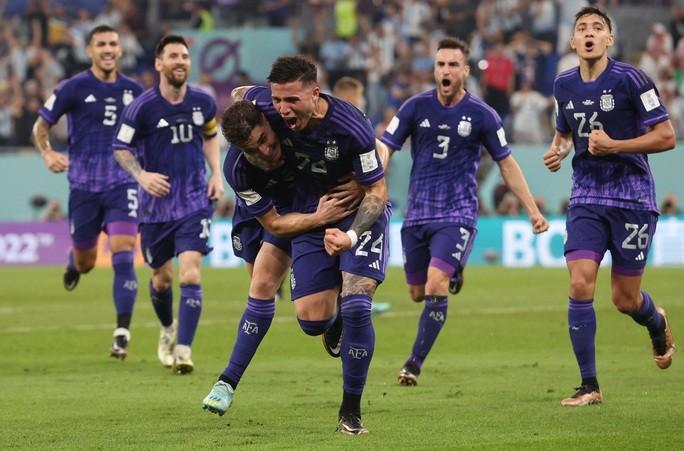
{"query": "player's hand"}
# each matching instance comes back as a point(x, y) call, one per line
point(336, 241)
point(154, 183)
point(539, 223)
point(215, 187)
point(600, 144)
point(553, 158)
point(331, 210)
point(55, 161)
point(349, 192)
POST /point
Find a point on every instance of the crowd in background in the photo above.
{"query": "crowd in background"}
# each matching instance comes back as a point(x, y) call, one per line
point(517, 48)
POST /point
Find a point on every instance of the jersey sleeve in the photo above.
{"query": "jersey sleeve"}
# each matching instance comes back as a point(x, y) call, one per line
point(210, 127)
point(561, 123)
point(236, 170)
point(644, 95)
point(494, 136)
point(128, 128)
point(59, 103)
point(400, 126)
point(366, 161)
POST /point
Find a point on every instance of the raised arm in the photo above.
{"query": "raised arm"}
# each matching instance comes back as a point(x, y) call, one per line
point(55, 161)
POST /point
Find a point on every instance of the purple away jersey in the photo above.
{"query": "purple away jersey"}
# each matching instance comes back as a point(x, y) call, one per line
point(343, 142)
point(623, 102)
point(446, 146)
point(93, 108)
point(169, 140)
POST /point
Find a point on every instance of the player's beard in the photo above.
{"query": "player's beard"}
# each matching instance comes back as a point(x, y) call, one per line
point(448, 89)
point(176, 82)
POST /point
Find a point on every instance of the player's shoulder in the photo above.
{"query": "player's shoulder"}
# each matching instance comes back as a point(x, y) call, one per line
point(143, 101)
point(74, 82)
point(238, 171)
point(567, 77)
point(424, 98)
point(347, 118)
point(629, 73)
point(131, 83)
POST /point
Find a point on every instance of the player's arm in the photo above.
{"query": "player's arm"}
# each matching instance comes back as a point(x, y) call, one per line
point(515, 180)
point(369, 211)
point(560, 148)
point(239, 92)
point(659, 138)
point(154, 183)
point(55, 161)
point(212, 154)
point(329, 210)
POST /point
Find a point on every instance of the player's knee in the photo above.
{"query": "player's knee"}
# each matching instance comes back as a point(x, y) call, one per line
point(190, 276)
point(625, 303)
point(582, 288)
point(84, 264)
point(314, 327)
point(263, 287)
point(162, 281)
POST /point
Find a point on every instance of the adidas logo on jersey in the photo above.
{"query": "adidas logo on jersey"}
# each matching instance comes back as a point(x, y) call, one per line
point(90, 99)
point(375, 265)
point(425, 123)
point(162, 123)
point(640, 257)
point(570, 106)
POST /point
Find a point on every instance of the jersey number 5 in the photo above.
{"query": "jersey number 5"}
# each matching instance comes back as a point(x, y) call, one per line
point(109, 115)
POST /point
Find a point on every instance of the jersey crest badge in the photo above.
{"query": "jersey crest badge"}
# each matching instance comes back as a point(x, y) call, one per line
point(607, 102)
point(465, 127)
point(237, 243)
point(127, 97)
point(331, 150)
point(197, 117)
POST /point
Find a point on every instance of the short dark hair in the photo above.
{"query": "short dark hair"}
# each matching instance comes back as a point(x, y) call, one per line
point(288, 69)
point(455, 43)
point(100, 29)
point(238, 121)
point(346, 84)
point(169, 39)
point(589, 10)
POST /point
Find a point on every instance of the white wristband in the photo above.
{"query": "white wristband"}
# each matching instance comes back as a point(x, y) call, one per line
point(352, 236)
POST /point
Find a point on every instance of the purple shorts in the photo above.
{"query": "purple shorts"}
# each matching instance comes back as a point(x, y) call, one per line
point(161, 241)
point(594, 229)
point(248, 236)
point(313, 270)
point(446, 246)
point(115, 211)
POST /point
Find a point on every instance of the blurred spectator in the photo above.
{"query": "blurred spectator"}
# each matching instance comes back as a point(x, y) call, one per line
point(37, 14)
point(25, 113)
point(131, 48)
point(509, 205)
point(544, 25)
point(498, 79)
point(5, 118)
point(677, 24)
point(276, 11)
point(204, 83)
point(529, 119)
point(346, 23)
point(670, 205)
point(658, 55)
point(53, 212)
point(201, 18)
point(351, 90)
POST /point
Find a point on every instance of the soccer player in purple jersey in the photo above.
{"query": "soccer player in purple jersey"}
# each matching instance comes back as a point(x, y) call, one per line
point(101, 196)
point(448, 127)
point(254, 167)
point(323, 139)
point(611, 113)
point(172, 128)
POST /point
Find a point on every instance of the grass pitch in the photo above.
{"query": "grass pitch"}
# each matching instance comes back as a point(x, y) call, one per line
point(493, 381)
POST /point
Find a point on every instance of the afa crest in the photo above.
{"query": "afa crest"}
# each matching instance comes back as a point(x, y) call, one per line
point(331, 150)
point(197, 117)
point(127, 97)
point(237, 243)
point(465, 127)
point(607, 102)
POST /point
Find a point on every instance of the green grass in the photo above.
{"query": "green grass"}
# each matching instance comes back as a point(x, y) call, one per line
point(493, 381)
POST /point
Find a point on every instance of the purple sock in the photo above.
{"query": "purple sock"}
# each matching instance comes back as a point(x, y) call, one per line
point(70, 260)
point(582, 327)
point(358, 342)
point(253, 326)
point(430, 324)
point(649, 317)
point(125, 287)
point(189, 310)
point(162, 301)
point(316, 327)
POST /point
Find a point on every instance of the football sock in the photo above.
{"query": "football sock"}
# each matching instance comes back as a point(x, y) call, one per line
point(252, 328)
point(590, 381)
point(582, 328)
point(189, 310)
point(125, 287)
point(351, 405)
point(162, 301)
point(358, 342)
point(316, 327)
point(70, 262)
point(649, 317)
point(429, 325)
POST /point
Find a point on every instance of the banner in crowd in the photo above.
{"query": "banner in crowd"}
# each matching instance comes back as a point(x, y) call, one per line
point(499, 241)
